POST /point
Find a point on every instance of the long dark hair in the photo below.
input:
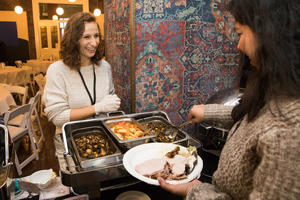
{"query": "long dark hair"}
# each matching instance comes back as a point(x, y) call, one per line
point(276, 24)
point(70, 49)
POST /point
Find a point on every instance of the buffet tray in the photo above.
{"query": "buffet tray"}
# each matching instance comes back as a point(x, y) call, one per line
point(109, 175)
point(161, 127)
point(115, 157)
point(127, 144)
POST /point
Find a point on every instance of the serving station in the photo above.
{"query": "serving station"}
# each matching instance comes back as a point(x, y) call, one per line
point(92, 173)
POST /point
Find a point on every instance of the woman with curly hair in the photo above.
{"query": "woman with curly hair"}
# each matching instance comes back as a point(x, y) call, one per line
point(260, 159)
point(81, 85)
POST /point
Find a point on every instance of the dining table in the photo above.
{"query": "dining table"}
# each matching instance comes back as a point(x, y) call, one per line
point(39, 66)
point(6, 100)
point(12, 75)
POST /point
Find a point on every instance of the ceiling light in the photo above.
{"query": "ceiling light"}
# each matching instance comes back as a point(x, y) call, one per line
point(72, 0)
point(55, 17)
point(60, 11)
point(97, 12)
point(18, 9)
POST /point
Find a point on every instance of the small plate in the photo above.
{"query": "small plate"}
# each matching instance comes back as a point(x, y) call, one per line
point(133, 195)
point(145, 152)
point(41, 178)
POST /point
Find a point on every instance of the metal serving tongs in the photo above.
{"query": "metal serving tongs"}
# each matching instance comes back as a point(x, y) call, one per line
point(171, 133)
point(184, 124)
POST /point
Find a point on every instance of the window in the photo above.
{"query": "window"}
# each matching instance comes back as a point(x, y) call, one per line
point(44, 39)
point(47, 10)
point(54, 36)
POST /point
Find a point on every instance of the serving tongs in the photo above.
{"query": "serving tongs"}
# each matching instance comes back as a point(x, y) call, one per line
point(184, 124)
point(172, 131)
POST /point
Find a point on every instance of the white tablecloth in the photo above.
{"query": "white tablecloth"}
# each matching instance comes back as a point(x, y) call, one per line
point(6, 100)
point(38, 66)
point(14, 76)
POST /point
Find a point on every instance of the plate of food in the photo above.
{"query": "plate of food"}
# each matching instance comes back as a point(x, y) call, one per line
point(175, 163)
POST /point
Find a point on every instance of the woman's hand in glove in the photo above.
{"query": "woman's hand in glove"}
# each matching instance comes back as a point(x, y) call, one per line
point(107, 104)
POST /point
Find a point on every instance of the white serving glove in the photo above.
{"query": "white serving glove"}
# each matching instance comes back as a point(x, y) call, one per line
point(108, 104)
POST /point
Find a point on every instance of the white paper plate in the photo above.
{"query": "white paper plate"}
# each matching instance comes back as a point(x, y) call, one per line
point(41, 178)
point(133, 195)
point(144, 152)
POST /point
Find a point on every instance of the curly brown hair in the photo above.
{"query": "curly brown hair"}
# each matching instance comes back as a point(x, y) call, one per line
point(70, 49)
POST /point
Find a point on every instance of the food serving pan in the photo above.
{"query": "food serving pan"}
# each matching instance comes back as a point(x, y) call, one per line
point(99, 178)
point(93, 147)
point(110, 124)
point(164, 130)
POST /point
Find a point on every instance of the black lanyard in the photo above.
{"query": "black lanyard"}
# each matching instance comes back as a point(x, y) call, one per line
point(93, 101)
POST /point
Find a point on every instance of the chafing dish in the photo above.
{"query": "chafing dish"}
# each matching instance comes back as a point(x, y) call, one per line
point(128, 121)
point(162, 128)
point(114, 154)
point(103, 177)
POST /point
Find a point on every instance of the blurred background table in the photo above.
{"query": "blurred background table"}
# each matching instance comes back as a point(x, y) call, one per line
point(14, 76)
point(39, 66)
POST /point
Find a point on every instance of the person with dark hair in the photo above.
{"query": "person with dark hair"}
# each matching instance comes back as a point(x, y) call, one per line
point(81, 85)
point(260, 159)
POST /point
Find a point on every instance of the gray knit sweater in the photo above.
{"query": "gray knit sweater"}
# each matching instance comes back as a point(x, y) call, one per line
point(64, 89)
point(261, 159)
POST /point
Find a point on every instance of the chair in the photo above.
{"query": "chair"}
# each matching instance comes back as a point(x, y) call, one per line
point(18, 63)
point(16, 134)
point(34, 117)
point(20, 77)
point(41, 81)
point(24, 77)
point(28, 77)
point(20, 91)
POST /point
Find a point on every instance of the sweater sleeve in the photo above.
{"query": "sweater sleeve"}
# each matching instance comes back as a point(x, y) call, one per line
point(55, 97)
point(218, 115)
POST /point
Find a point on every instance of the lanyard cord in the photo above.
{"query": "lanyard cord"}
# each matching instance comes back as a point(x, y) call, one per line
point(93, 101)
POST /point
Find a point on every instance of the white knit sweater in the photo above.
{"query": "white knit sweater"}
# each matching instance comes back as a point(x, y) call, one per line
point(64, 89)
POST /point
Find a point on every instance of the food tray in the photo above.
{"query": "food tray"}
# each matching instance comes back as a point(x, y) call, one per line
point(162, 126)
point(111, 158)
point(110, 123)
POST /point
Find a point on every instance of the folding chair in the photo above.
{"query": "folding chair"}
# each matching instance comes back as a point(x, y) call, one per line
point(29, 78)
point(41, 81)
point(18, 63)
point(16, 134)
point(34, 117)
point(20, 91)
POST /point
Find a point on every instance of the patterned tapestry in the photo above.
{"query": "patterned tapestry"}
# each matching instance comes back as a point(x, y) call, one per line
point(117, 48)
point(186, 52)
